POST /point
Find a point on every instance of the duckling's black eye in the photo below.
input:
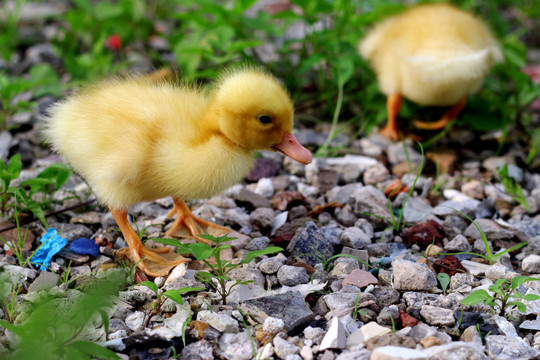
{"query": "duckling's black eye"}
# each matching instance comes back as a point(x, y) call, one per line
point(265, 119)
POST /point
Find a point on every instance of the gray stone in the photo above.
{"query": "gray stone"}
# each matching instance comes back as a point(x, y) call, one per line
point(474, 189)
point(263, 219)
point(335, 337)
point(200, 350)
point(273, 325)
point(292, 275)
point(354, 238)
point(72, 231)
point(365, 226)
point(332, 232)
point(341, 194)
point(290, 307)
point(376, 174)
point(453, 225)
point(310, 240)
point(272, 265)
point(531, 264)
point(527, 228)
point(422, 331)
point(220, 322)
point(437, 316)
point(446, 208)
point(369, 200)
point(250, 200)
point(396, 154)
point(397, 353)
point(386, 296)
point(248, 274)
point(389, 315)
point(346, 216)
point(235, 346)
point(284, 349)
point(423, 278)
point(344, 267)
point(416, 210)
point(490, 228)
point(135, 321)
point(504, 347)
point(361, 354)
point(458, 350)
point(360, 254)
point(458, 243)
point(258, 243)
point(181, 277)
point(45, 280)
point(341, 300)
point(461, 280)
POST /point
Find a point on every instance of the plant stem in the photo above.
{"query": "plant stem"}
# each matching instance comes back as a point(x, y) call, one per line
point(324, 149)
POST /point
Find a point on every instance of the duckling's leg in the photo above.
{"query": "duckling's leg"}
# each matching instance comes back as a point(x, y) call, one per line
point(447, 117)
point(156, 262)
point(195, 225)
point(393, 104)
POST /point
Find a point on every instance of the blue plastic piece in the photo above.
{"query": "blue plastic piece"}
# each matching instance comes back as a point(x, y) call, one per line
point(52, 244)
point(84, 246)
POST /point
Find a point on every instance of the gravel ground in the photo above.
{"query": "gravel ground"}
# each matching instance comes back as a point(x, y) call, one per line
point(309, 301)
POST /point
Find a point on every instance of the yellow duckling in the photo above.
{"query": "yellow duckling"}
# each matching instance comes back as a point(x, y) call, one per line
point(136, 140)
point(434, 55)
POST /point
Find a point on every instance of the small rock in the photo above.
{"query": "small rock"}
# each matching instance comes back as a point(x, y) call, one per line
point(290, 307)
point(453, 226)
point(354, 238)
point(474, 189)
point(416, 210)
point(424, 234)
point(135, 321)
point(221, 322)
point(376, 174)
point(408, 320)
point(459, 243)
point(45, 280)
point(369, 200)
point(366, 332)
point(531, 264)
point(437, 316)
point(286, 200)
point(458, 350)
point(360, 279)
point(424, 278)
point(504, 347)
point(272, 265)
point(263, 168)
point(273, 325)
point(283, 348)
point(200, 350)
point(263, 219)
point(346, 216)
point(490, 228)
point(471, 335)
point(250, 200)
point(343, 267)
point(399, 340)
point(310, 240)
point(292, 275)
point(335, 337)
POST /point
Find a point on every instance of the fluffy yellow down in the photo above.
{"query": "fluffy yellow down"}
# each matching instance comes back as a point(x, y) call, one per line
point(431, 54)
point(135, 140)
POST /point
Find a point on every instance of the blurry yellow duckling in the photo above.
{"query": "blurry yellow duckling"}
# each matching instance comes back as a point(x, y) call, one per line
point(434, 55)
point(137, 140)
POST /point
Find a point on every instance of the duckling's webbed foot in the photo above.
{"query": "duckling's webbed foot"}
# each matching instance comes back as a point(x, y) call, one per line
point(188, 225)
point(451, 114)
point(155, 262)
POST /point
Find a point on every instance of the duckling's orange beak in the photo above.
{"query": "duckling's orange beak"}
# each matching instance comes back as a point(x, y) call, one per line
point(293, 149)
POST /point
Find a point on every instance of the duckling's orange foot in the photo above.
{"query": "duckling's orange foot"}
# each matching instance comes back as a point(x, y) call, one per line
point(155, 262)
point(390, 132)
point(188, 225)
point(451, 114)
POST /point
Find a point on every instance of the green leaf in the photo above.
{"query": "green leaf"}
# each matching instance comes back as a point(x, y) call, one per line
point(476, 297)
point(15, 166)
point(149, 284)
point(171, 242)
point(531, 297)
point(104, 320)
point(94, 350)
point(520, 306)
point(519, 280)
point(444, 280)
point(174, 295)
point(253, 254)
point(201, 251)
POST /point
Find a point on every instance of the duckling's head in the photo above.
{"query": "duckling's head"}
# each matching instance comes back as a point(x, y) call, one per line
point(256, 113)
